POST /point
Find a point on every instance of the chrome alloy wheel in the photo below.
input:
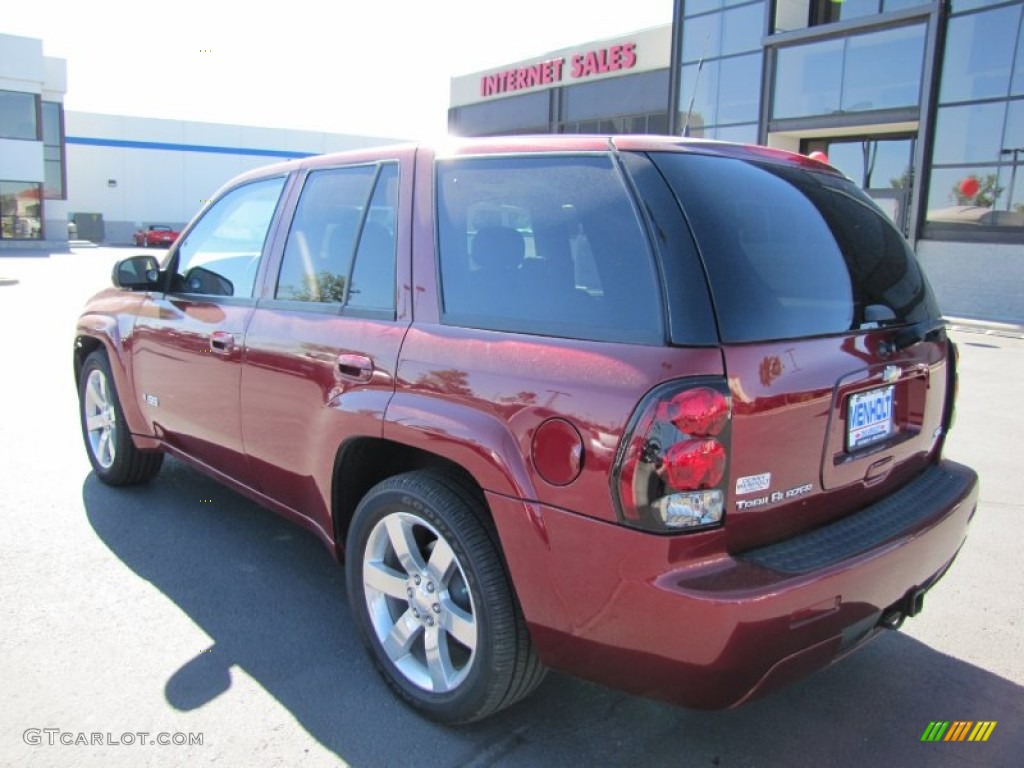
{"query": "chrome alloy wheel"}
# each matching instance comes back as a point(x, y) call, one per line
point(100, 418)
point(419, 602)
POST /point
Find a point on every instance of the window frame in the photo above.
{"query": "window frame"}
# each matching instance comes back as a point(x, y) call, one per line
point(283, 229)
point(170, 266)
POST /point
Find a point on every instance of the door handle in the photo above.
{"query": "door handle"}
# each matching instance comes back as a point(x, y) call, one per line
point(355, 367)
point(222, 342)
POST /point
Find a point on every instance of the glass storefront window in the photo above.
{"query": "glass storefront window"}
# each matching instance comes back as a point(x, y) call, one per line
point(719, 84)
point(18, 115)
point(53, 151)
point(528, 112)
point(701, 37)
point(969, 134)
point(878, 70)
point(808, 79)
point(742, 29)
point(872, 163)
point(21, 214)
point(970, 5)
point(975, 196)
point(1013, 138)
point(853, 9)
point(883, 70)
point(698, 94)
point(976, 180)
point(1017, 78)
point(979, 55)
point(899, 5)
point(742, 134)
point(693, 7)
point(629, 95)
point(736, 30)
point(739, 100)
point(791, 15)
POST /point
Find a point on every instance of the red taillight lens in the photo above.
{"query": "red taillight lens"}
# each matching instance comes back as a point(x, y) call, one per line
point(695, 464)
point(670, 470)
point(701, 411)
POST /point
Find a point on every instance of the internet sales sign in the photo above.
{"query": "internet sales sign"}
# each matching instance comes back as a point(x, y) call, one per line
point(581, 66)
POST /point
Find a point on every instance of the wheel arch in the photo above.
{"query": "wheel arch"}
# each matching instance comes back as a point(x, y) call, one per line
point(363, 462)
point(97, 331)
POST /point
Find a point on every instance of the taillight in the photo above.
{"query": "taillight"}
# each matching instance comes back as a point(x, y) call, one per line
point(671, 469)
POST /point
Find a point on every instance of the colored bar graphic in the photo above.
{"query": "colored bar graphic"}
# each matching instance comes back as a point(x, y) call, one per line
point(958, 730)
point(982, 730)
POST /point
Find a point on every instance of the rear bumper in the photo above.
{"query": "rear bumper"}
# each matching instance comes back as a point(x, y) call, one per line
point(678, 618)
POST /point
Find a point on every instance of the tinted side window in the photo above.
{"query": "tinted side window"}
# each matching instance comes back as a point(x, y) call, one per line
point(323, 234)
point(793, 253)
point(341, 245)
point(547, 245)
point(373, 275)
point(221, 254)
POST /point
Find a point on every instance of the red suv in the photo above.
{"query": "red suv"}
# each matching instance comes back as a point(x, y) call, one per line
point(663, 414)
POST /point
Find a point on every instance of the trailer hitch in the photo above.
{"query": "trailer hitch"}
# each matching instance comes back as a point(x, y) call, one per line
point(908, 606)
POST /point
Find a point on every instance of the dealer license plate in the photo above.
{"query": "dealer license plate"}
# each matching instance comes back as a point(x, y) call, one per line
point(868, 417)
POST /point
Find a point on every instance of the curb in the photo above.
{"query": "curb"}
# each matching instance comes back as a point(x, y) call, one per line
point(988, 327)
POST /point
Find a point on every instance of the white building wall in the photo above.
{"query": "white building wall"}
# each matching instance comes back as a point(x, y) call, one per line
point(138, 171)
point(24, 68)
point(21, 64)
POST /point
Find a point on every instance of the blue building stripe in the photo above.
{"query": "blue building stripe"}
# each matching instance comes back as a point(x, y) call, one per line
point(123, 143)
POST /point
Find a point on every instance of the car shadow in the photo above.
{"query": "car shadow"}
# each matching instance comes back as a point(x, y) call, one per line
point(272, 599)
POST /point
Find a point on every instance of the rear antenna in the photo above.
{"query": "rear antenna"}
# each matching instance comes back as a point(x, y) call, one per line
point(696, 83)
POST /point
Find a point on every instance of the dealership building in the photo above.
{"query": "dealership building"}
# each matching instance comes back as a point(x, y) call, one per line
point(921, 103)
point(32, 179)
point(114, 174)
point(128, 172)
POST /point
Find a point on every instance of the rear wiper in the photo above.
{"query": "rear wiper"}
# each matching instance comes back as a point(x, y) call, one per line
point(913, 334)
point(918, 332)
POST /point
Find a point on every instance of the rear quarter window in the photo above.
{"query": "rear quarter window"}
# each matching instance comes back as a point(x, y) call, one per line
point(792, 253)
point(546, 245)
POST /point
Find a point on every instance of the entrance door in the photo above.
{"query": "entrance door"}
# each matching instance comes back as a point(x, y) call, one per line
point(883, 166)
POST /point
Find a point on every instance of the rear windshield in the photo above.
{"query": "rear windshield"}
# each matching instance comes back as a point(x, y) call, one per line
point(792, 253)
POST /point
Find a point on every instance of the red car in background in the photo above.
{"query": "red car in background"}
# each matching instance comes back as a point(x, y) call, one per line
point(156, 236)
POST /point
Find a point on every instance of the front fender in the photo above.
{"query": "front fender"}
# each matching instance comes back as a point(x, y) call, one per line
point(107, 323)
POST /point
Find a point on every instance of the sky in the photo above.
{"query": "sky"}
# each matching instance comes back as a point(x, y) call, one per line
point(378, 69)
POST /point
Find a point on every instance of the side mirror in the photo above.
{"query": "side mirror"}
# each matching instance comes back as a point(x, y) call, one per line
point(137, 273)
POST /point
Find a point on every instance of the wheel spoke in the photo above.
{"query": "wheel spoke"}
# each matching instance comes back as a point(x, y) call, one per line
point(94, 399)
point(105, 450)
point(385, 580)
point(401, 637)
point(442, 561)
point(439, 661)
point(404, 544)
point(95, 421)
point(459, 623)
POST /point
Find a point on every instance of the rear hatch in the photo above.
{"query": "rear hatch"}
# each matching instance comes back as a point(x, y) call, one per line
point(837, 361)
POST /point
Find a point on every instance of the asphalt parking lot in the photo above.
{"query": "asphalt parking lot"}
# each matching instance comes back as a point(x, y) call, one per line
point(184, 612)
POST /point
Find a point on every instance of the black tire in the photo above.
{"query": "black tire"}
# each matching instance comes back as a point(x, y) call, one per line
point(113, 455)
point(429, 511)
